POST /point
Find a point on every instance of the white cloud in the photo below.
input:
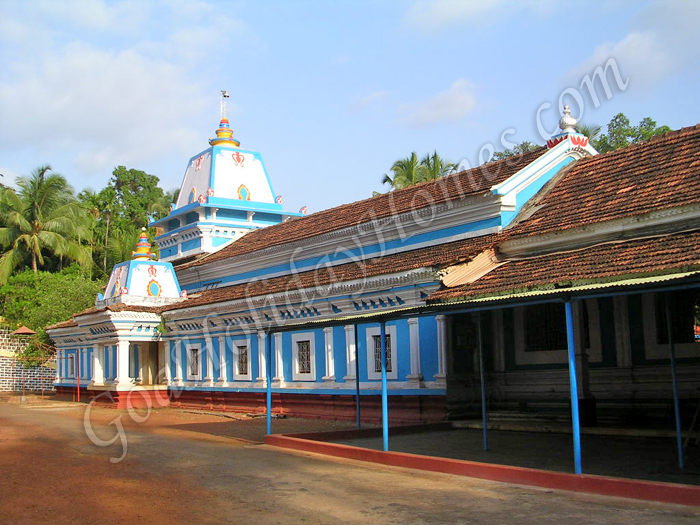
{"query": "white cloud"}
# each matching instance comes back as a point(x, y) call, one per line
point(372, 98)
point(641, 57)
point(447, 107)
point(654, 50)
point(75, 92)
point(432, 16)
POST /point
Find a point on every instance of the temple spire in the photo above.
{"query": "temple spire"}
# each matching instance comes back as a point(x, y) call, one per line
point(143, 248)
point(224, 134)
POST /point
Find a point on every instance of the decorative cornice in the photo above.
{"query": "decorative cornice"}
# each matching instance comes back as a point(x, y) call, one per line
point(387, 229)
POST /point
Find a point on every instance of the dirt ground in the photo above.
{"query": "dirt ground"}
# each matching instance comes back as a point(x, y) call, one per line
point(182, 467)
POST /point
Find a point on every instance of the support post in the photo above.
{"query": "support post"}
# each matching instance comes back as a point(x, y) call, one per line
point(674, 380)
point(77, 375)
point(482, 374)
point(576, 430)
point(268, 375)
point(357, 380)
point(385, 397)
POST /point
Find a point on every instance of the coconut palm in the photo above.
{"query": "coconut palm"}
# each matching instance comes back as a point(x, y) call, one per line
point(592, 131)
point(406, 172)
point(437, 167)
point(411, 170)
point(42, 215)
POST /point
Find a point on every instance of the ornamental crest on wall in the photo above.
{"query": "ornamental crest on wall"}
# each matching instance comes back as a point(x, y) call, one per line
point(238, 159)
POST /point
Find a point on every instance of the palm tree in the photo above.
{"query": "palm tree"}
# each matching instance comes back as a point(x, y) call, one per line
point(437, 167)
point(592, 131)
point(121, 244)
point(410, 171)
point(406, 172)
point(42, 215)
point(161, 206)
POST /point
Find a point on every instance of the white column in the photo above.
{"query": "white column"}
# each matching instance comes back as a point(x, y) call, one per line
point(414, 346)
point(163, 374)
point(178, 363)
point(441, 347)
point(209, 379)
point(350, 352)
point(279, 363)
point(328, 350)
point(262, 363)
point(98, 365)
point(223, 362)
point(123, 365)
point(59, 364)
point(138, 370)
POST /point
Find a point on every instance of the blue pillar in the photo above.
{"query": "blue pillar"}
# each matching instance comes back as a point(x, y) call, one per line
point(385, 400)
point(674, 380)
point(357, 381)
point(574, 386)
point(268, 379)
point(484, 410)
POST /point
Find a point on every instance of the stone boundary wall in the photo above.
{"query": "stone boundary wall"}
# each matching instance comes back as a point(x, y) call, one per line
point(15, 376)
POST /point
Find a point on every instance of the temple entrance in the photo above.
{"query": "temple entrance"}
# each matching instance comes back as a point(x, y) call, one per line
point(147, 363)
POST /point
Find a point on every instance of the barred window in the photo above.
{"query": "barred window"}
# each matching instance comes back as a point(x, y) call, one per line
point(242, 360)
point(377, 340)
point(545, 327)
point(685, 317)
point(194, 362)
point(304, 357)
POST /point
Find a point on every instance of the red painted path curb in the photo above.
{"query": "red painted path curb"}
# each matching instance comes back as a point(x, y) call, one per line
point(603, 485)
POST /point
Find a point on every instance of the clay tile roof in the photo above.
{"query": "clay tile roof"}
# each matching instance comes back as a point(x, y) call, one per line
point(118, 307)
point(663, 172)
point(430, 257)
point(63, 324)
point(605, 262)
point(23, 330)
point(471, 182)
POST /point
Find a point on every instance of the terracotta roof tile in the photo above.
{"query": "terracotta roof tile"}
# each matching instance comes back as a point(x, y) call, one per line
point(612, 261)
point(434, 256)
point(475, 181)
point(63, 324)
point(663, 172)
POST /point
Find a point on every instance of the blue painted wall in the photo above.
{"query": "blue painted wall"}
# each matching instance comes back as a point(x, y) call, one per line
point(427, 327)
point(192, 244)
point(339, 354)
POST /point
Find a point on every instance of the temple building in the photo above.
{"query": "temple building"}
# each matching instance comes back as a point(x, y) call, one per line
point(516, 272)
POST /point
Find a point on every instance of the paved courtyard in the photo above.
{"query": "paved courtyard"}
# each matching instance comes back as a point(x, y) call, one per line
point(197, 468)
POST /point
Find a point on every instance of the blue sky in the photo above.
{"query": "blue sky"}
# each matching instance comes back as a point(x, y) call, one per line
point(331, 93)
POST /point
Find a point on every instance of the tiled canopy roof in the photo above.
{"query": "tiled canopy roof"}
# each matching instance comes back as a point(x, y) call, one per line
point(472, 182)
point(605, 262)
point(663, 172)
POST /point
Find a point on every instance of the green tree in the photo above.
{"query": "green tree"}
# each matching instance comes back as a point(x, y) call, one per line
point(517, 150)
point(621, 133)
point(136, 192)
point(40, 299)
point(411, 170)
point(161, 207)
point(41, 216)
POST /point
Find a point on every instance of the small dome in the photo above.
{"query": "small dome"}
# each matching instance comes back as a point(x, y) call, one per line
point(567, 123)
